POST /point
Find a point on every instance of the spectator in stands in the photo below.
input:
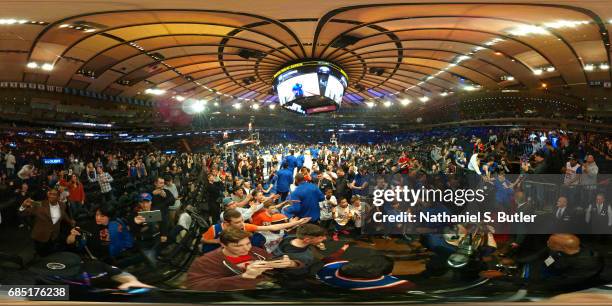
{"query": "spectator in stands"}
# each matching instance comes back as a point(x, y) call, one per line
point(588, 178)
point(109, 236)
point(48, 218)
point(246, 211)
point(162, 200)
point(359, 185)
point(236, 265)
point(232, 218)
point(10, 163)
point(148, 237)
point(104, 180)
point(326, 207)
point(76, 195)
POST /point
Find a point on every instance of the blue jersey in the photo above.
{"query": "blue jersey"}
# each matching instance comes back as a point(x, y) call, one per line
point(309, 196)
point(284, 180)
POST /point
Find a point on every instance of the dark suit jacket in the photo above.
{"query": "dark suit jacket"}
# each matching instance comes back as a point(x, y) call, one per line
point(567, 221)
point(44, 230)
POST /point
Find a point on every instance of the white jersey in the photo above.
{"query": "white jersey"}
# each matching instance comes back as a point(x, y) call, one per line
point(342, 215)
point(308, 161)
point(272, 239)
point(357, 213)
point(326, 208)
point(571, 177)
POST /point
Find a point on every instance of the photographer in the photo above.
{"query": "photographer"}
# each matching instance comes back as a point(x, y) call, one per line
point(107, 239)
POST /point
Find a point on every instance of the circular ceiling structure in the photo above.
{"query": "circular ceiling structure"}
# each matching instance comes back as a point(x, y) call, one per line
point(232, 50)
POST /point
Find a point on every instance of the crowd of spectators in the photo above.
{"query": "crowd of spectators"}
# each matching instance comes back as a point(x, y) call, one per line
point(98, 202)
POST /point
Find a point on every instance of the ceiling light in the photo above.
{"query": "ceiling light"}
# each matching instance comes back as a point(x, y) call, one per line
point(198, 106)
point(538, 72)
point(470, 87)
point(32, 65)
point(604, 66)
point(544, 85)
point(405, 102)
point(564, 24)
point(47, 67)
point(424, 99)
point(589, 67)
point(69, 133)
point(179, 98)
point(8, 21)
point(550, 69)
point(64, 26)
point(509, 78)
point(462, 58)
point(524, 30)
point(237, 105)
point(388, 103)
point(272, 106)
point(255, 106)
point(498, 53)
point(478, 48)
point(370, 104)
point(155, 91)
point(216, 104)
point(444, 94)
point(90, 30)
point(429, 78)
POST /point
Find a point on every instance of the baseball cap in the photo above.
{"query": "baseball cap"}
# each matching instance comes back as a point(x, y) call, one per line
point(227, 201)
point(145, 197)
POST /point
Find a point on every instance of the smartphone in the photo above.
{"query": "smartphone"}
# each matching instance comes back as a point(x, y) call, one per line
point(36, 203)
point(151, 216)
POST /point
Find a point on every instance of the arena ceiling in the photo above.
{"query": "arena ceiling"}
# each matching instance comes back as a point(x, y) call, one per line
point(230, 49)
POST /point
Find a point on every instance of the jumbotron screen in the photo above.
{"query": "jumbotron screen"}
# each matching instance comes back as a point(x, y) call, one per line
point(310, 87)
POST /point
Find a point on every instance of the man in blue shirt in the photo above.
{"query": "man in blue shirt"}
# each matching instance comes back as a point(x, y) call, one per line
point(300, 160)
point(360, 184)
point(284, 179)
point(307, 197)
point(291, 161)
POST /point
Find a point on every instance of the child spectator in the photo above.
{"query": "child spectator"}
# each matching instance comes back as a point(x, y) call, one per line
point(342, 216)
point(326, 208)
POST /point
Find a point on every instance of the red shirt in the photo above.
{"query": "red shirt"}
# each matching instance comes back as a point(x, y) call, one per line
point(404, 161)
point(244, 259)
point(77, 193)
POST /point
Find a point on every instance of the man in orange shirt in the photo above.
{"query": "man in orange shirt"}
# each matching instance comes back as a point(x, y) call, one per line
point(232, 218)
